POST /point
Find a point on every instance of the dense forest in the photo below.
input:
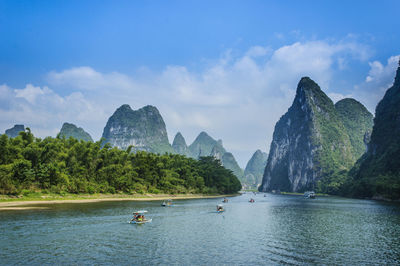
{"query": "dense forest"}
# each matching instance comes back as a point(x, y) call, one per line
point(62, 165)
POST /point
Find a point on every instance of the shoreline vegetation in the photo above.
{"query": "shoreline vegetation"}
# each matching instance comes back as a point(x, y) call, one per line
point(50, 166)
point(25, 203)
point(34, 200)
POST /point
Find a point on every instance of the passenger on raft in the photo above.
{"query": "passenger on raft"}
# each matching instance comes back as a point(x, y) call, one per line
point(138, 218)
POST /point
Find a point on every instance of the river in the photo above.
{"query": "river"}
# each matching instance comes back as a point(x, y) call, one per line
point(275, 229)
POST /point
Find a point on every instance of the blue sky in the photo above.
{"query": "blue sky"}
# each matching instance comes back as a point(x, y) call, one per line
point(227, 67)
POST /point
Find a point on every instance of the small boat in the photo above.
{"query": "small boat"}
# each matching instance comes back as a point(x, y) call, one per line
point(309, 195)
point(220, 208)
point(225, 200)
point(251, 200)
point(138, 218)
point(167, 203)
point(141, 222)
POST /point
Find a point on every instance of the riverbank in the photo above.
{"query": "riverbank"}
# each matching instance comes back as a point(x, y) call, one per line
point(375, 198)
point(25, 203)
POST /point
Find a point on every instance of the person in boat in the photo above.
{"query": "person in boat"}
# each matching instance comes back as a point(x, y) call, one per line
point(138, 217)
point(220, 208)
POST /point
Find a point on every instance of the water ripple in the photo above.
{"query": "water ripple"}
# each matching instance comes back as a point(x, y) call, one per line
point(274, 230)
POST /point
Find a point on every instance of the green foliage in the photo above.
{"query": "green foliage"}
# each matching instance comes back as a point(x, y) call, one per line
point(332, 184)
point(358, 122)
point(217, 177)
point(62, 165)
point(336, 152)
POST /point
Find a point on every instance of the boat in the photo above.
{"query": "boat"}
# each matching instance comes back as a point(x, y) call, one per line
point(138, 218)
point(225, 200)
point(309, 195)
point(167, 203)
point(220, 208)
point(251, 200)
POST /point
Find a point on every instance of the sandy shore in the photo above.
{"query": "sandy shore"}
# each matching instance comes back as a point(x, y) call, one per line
point(27, 205)
point(21, 208)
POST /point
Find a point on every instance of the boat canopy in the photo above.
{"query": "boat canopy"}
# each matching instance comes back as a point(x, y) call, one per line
point(140, 212)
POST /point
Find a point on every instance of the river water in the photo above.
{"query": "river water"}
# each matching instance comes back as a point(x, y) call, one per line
point(276, 229)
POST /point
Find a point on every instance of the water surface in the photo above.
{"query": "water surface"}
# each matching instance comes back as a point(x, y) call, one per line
point(276, 229)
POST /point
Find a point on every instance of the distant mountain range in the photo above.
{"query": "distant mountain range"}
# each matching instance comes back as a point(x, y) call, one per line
point(144, 129)
point(204, 145)
point(317, 145)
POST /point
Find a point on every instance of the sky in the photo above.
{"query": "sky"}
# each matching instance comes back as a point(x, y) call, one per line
point(229, 68)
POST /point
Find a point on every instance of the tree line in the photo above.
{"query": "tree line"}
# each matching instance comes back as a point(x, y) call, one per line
point(62, 165)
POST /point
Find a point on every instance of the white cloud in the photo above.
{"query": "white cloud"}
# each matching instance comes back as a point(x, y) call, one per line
point(237, 98)
point(314, 59)
point(86, 78)
point(44, 111)
point(257, 51)
point(380, 77)
point(380, 73)
point(30, 93)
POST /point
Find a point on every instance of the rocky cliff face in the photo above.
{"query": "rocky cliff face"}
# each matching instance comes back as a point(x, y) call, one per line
point(70, 130)
point(309, 143)
point(179, 145)
point(377, 173)
point(143, 128)
point(13, 132)
point(358, 122)
point(218, 151)
point(254, 170)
